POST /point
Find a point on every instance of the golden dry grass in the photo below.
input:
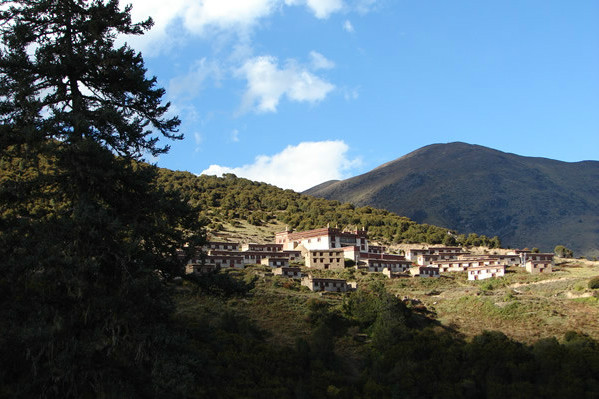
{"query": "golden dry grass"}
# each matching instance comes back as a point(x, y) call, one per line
point(523, 306)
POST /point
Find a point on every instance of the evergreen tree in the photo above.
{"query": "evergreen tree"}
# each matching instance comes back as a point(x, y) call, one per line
point(88, 242)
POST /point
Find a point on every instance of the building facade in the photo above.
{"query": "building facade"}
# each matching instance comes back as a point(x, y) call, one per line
point(538, 266)
point(325, 238)
point(328, 259)
point(484, 272)
point(327, 284)
point(424, 271)
point(290, 272)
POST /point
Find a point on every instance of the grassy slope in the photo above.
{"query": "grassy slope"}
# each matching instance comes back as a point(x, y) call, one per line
point(525, 307)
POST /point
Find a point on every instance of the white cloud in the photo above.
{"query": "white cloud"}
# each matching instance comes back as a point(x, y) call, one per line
point(225, 13)
point(235, 136)
point(296, 167)
point(163, 14)
point(319, 61)
point(175, 20)
point(267, 83)
point(321, 9)
point(365, 6)
point(350, 94)
point(324, 8)
point(198, 140)
point(348, 27)
point(191, 83)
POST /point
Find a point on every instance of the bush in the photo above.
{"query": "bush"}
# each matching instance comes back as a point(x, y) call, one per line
point(491, 284)
point(563, 252)
point(594, 283)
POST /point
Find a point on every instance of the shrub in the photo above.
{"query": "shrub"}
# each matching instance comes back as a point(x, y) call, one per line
point(290, 284)
point(594, 283)
point(563, 252)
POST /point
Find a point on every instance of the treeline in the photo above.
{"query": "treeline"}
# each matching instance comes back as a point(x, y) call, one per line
point(376, 346)
point(230, 199)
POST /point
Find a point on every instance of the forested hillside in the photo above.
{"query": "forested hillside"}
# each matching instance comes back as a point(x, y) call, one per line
point(230, 199)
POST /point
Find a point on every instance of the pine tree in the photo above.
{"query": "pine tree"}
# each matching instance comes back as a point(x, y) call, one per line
point(87, 240)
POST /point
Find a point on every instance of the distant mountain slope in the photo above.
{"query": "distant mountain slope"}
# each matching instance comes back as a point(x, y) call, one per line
point(523, 200)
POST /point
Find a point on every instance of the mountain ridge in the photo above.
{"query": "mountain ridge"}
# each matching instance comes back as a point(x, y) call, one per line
point(469, 187)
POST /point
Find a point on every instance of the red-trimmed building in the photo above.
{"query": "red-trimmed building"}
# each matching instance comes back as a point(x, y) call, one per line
point(221, 246)
point(262, 247)
point(395, 266)
point(424, 271)
point(290, 272)
point(327, 284)
point(325, 259)
point(539, 266)
point(324, 238)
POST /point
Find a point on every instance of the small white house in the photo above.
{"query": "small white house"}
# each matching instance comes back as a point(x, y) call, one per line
point(221, 246)
point(290, 272)
point(396, 266)
point(537, 266)
point(274, 262)
point(327, 284)
point(483, 272)
point(198, 268)
point(262, 247)
point(424, 271)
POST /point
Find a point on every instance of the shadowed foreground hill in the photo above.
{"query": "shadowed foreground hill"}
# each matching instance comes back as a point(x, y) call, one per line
point(523, 200)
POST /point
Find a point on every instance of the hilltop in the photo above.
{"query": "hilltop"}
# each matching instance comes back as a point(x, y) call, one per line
point(524, 201)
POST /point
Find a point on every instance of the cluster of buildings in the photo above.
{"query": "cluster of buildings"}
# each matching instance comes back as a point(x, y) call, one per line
point(331, 248)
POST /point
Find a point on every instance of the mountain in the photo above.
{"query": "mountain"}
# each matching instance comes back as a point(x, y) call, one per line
point(525, 201)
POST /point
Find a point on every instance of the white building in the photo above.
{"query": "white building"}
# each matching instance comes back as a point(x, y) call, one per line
point(483, 272)
point(274, 262)
point(221, 246)
point(325, 259)
point(291, 272)
point(424, 271)
point(325, 238)
point(327, 284)
point(538, 266)
point(262, 247)
point(395, 266)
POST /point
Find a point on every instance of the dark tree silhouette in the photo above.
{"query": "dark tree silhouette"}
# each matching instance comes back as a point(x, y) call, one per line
point(88, 242)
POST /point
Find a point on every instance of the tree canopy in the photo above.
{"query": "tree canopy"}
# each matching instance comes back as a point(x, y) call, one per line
point(64, 79)
point(87, 239)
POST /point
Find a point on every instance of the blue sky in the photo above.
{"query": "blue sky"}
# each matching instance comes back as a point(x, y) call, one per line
point(297, 92)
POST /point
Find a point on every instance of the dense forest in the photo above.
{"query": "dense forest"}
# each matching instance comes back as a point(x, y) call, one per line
point(229, 199)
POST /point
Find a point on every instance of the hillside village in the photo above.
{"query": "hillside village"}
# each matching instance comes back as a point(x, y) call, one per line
point(335, 249)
